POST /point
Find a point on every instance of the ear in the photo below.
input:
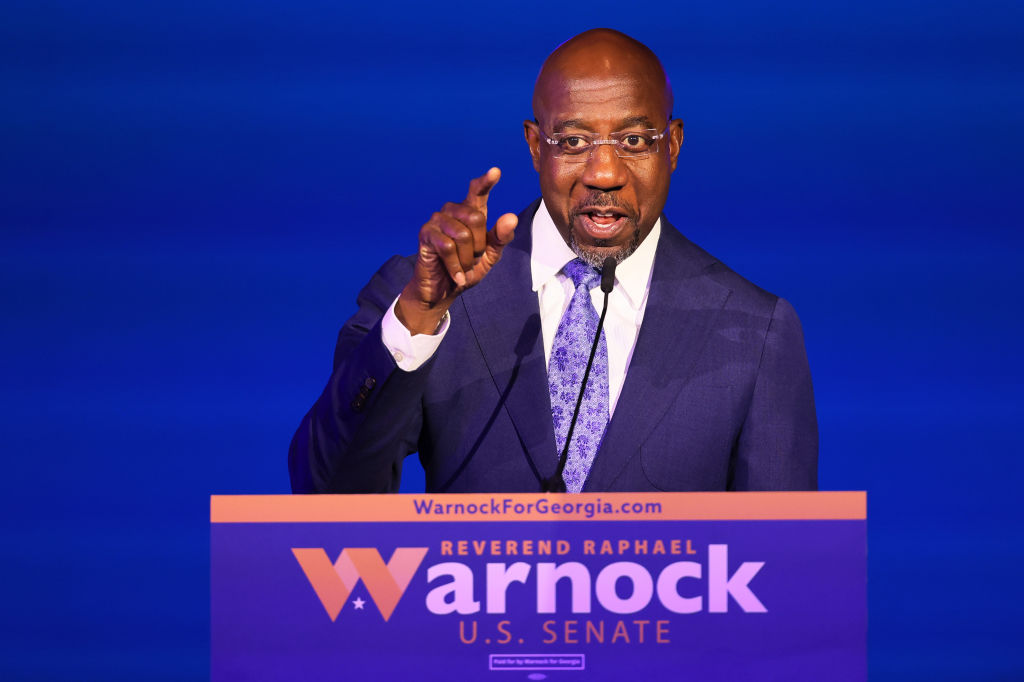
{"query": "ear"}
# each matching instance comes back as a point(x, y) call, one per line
point(532, 132)
point(675, 140)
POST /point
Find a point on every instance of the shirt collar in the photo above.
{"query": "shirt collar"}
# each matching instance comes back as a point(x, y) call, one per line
point(550, 253)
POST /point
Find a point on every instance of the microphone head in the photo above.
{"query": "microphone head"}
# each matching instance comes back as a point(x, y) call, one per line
point(608, 274)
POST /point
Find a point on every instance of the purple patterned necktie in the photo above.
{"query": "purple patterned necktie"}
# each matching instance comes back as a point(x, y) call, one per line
point(569, 354)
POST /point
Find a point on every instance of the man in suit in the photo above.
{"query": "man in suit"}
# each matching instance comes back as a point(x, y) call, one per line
point(472, 351)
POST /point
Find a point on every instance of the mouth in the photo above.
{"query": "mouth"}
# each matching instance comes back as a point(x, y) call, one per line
point(601, 223)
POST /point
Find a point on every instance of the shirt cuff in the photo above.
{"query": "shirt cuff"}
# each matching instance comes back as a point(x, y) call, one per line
point(408, 350)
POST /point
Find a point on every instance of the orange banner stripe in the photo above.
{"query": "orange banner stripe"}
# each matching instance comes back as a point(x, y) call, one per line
point(764, 506)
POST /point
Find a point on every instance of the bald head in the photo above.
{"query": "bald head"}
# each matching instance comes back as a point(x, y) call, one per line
point(600, 53)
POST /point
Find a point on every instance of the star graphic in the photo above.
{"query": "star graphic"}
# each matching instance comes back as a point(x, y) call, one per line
point(358, 603)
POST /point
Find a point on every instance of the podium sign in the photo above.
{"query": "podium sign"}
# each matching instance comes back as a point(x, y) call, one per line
point(530, 587)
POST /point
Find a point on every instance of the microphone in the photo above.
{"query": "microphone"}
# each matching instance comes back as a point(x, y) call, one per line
point(607, 280)
point(555, 483)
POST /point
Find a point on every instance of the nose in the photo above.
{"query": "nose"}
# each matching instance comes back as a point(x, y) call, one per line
point(604, 169)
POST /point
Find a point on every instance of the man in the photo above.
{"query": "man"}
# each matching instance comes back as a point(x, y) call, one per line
point(472, 351)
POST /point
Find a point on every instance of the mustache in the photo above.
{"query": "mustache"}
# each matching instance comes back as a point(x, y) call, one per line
point(598, 199)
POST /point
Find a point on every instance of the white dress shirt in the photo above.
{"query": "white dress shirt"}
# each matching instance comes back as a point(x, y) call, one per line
point(548, 255)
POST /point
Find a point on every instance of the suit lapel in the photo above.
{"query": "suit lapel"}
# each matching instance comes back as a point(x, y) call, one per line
point(504, 316)
point(682, 307)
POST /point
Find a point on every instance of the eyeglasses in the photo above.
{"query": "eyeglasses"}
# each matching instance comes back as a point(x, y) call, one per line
point(629, 144)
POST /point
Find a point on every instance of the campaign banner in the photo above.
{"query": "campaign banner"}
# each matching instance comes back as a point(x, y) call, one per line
point(702, 586)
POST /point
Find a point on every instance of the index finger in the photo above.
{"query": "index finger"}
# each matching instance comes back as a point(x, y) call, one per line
point(480, 187)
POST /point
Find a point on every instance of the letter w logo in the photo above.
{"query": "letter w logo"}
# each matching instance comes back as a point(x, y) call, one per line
point(333, 583)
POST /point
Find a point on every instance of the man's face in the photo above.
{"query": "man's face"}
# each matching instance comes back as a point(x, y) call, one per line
point(604, 205)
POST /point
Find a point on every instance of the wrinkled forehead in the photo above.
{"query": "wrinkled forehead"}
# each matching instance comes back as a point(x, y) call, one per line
point(600, 101)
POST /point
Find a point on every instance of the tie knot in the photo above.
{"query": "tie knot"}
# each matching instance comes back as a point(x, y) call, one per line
point(582, 273)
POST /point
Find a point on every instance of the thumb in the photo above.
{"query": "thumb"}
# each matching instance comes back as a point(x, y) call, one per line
point(504, 230)
point(497, 239)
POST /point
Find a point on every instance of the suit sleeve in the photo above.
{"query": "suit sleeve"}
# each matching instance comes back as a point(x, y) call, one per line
point(778, 446)
point(368, 418)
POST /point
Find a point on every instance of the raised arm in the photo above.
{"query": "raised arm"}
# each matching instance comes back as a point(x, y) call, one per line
point(368, 418)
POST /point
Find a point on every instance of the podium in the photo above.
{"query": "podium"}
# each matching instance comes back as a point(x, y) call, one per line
point(702, 586)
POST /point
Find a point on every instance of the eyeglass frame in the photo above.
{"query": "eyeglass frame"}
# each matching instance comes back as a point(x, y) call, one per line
point(611, 139)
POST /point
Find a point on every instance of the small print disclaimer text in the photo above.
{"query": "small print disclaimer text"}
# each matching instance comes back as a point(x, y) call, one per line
point(538, 662)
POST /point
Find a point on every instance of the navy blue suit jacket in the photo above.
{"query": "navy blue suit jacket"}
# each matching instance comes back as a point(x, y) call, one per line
point(717, 396)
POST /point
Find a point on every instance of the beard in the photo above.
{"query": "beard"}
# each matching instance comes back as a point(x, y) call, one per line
point(589, 253)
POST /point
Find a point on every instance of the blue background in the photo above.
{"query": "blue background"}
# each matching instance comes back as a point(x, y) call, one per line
point(192, 194)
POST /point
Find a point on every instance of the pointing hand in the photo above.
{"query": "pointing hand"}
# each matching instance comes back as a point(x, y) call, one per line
point(456, 252)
